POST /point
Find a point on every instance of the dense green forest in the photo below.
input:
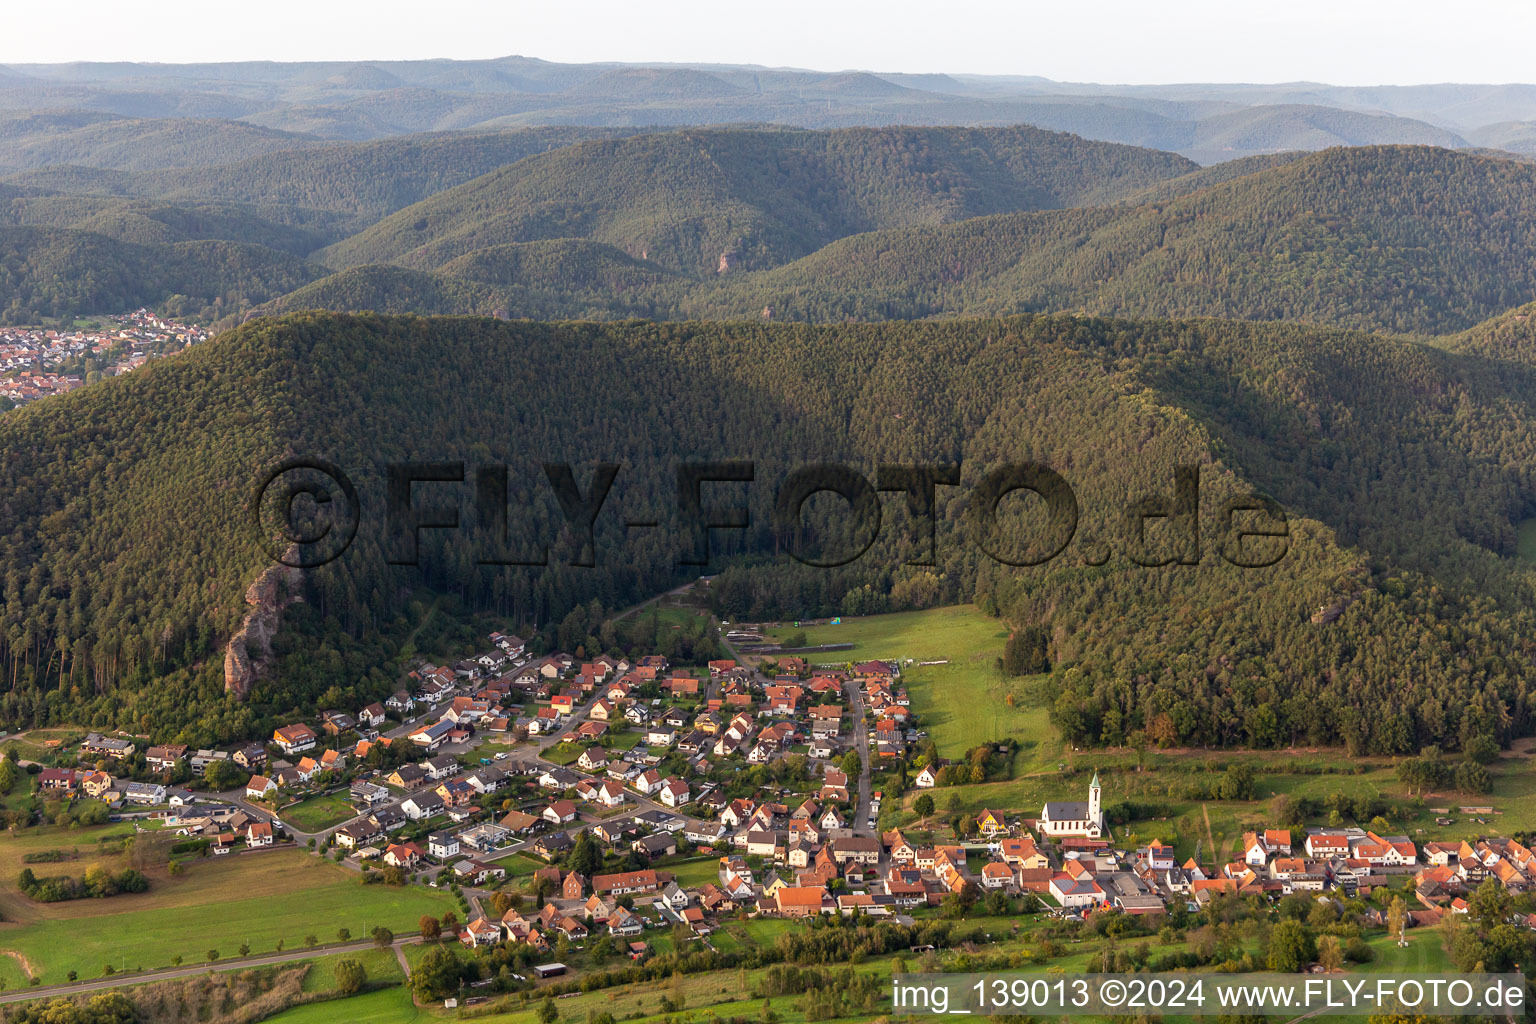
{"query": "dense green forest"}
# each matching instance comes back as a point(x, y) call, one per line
point(687, 199)
point(561, 278)
point(1403, 460)
point(1375, 238)
point(50, 272)
point(1395, 238)
point(857, 224)
point(1398, 605)
point(89, 138)
point(365, 181)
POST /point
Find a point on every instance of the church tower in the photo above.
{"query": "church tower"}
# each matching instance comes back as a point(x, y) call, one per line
point(1095, 809)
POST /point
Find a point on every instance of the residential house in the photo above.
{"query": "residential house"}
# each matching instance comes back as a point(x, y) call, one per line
point(165, 758)
point(405, 856)
point(625, 883)
point(674, 792)
point(294, 739)
point(443, 845)
point(560, 812)
point(423, 805)
point(803, 901)
point(259, 788)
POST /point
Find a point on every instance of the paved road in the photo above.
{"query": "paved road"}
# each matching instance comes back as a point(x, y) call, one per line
point(856, 702)
point(861, 731)
point(187, 971)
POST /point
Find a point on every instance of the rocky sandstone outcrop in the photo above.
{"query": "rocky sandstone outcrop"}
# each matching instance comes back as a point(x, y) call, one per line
point(250, 649)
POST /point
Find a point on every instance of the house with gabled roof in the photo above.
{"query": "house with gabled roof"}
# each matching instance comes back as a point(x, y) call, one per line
point(803, 901)
point(675, 792)
point(294, 739)
point(480, 932)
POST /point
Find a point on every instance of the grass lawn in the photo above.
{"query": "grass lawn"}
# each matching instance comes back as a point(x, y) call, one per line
point(564, 753)
point(385, 1006)
point(318, 813)
point(621, 741)
point(1425, 954)
point(694, 871)
point(380, 965)
point(219, 904)
point(518, 864)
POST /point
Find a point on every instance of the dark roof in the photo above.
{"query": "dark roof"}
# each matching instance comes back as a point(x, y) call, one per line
point(1067, 810)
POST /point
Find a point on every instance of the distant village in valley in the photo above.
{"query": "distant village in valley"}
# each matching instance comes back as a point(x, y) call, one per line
point(646, 795)
point(36, 362)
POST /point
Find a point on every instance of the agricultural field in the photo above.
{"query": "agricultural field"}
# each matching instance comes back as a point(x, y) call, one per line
point(259, 899)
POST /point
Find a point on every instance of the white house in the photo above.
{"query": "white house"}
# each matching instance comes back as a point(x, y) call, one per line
point(1076, 892)
point(674, 792)
point(443, 845)
point(422, 805)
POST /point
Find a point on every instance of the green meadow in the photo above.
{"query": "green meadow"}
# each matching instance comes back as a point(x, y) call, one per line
point(256, 899)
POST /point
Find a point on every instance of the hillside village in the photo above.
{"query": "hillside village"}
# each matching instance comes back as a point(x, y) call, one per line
point(662, 796)
point(37, 362)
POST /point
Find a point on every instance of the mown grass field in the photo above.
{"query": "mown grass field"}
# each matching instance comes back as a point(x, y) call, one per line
point(384, 1006)
point(380, 965)
point(318, 813)
point(219, 904)
point(694, 871)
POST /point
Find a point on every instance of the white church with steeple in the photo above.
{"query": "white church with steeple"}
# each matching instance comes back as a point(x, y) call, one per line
point(1075, 817)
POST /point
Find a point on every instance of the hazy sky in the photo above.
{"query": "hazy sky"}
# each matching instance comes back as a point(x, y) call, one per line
point(1351, 42)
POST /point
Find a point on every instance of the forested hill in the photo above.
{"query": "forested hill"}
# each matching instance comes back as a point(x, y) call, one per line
point(1397, 238)
point(98, 139)
point(47, 272)
point(863, 224)
point(688, 200)
point(1404, 239)
point(364, 181)
point(1404, 468)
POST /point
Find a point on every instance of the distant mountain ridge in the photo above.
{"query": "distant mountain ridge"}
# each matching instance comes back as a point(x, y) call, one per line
point(375, 99)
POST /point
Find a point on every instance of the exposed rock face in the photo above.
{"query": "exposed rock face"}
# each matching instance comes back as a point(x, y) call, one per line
point(1355, 580)
point(250, 649)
